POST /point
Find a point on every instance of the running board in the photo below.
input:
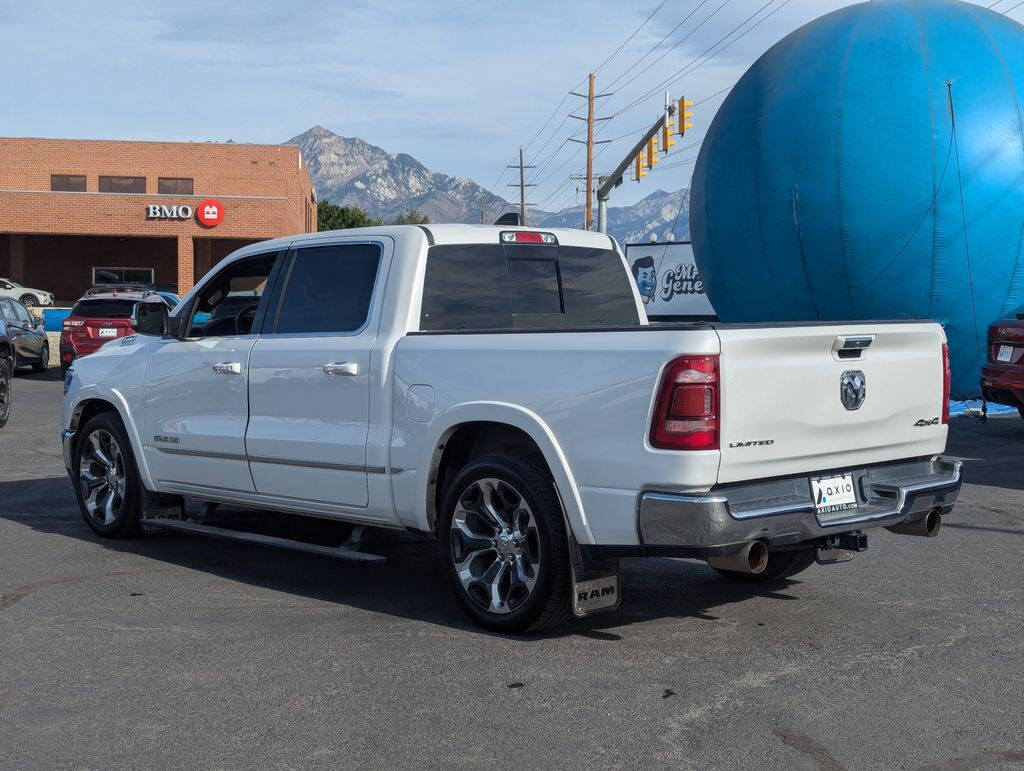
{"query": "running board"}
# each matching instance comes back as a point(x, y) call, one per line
point(343, 552)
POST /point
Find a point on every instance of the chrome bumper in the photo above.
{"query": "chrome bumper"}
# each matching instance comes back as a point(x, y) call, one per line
point(782, 513)
point(67, 440)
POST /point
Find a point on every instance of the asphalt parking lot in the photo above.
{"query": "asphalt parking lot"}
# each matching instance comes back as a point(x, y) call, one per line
point(181, 651)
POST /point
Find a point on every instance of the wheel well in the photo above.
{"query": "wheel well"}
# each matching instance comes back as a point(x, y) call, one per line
point(464, 442)
point(88, 409)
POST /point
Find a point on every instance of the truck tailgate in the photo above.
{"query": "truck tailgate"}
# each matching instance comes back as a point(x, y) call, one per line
point(781, 407)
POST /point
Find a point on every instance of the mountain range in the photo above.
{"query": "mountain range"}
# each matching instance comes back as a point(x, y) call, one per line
point(352, 172)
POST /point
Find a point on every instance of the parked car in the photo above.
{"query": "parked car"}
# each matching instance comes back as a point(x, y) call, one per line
point(6, 370)
point(26, 334)
point(23, 294)
point(98, 317)
point(1002, 376)
point(501, 389)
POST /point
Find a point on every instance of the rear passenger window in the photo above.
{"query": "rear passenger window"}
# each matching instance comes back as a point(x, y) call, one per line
point(483, 286)
point(466, 287)
point(328, 289)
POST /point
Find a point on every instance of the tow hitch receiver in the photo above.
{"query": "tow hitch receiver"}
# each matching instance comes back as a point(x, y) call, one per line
point(595, 584)
point(841, 548)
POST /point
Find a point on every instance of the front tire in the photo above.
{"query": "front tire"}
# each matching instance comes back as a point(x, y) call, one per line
point(6, 394)
point(106, 478)
point(44, 359)
point(781, 565)
point(29, 300)
point(504, 544)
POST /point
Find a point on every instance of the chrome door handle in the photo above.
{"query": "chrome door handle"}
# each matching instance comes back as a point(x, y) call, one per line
point(335, 368)
point(228, 368)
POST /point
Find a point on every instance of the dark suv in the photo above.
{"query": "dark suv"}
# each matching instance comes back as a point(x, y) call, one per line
point(27, 335)
point(6, 368)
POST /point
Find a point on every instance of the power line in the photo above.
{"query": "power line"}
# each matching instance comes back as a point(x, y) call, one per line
point(678, 43)
point(566, 96)
point(696, 63)
point(655, 46)
point(624, 42)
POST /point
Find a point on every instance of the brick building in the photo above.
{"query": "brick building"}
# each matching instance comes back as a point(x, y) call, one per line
point(78, 212)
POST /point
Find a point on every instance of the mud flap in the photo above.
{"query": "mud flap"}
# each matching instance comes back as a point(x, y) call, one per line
point(596, 584)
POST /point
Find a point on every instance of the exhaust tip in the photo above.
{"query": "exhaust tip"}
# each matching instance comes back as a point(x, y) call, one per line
point(757, 557)
point(932, 523)
point(752, 557)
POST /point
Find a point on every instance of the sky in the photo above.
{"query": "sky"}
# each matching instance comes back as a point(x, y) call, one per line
point(458, 85)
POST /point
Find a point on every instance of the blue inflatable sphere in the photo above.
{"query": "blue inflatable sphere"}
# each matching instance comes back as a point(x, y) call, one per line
point(871, 165)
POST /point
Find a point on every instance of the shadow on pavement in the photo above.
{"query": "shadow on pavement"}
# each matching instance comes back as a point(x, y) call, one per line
point(992, 451)
point(24, 373)
point(411, 584)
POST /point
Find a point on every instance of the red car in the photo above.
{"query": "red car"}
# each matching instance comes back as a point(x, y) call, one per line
point(1002, 377)
point(100, 316)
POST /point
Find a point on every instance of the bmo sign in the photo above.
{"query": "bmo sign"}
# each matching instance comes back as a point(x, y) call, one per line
point(208, 213)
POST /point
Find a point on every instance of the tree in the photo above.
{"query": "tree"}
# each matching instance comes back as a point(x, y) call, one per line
point(412, 217)
point(330, 216)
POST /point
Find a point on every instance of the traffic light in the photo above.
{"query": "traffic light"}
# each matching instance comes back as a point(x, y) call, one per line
point(667, 141)
point(640, 171)
point(652, 152)
point(684, 116)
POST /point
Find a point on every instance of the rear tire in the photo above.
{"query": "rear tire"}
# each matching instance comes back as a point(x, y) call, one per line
point(781, 565)
point(106, 479)
point(6, 395)
point(44, 359)
point(504, 545)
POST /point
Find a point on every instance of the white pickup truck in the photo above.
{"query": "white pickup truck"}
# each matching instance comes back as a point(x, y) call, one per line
point(502, 389)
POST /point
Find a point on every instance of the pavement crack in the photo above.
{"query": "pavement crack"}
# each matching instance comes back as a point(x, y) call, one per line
point(18, 593)
point(805, 744)
point(980, 760)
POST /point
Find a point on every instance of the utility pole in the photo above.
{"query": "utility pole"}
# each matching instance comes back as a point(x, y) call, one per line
point(590, 96)
point(522, 187)
point(588, 219)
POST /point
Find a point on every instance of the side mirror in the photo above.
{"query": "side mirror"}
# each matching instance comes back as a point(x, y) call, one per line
point(38, 321)
point(150, 318)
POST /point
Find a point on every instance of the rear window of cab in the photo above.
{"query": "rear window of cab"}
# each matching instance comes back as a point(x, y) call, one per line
point(519, 286)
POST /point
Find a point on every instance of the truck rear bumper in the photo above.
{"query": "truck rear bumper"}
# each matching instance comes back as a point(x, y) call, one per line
point(781, 512)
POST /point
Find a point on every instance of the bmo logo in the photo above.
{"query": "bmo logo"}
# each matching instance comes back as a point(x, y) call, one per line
point(210, 212)
point(157, 212)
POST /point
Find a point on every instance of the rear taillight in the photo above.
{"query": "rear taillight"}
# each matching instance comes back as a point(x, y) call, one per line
point(686, 411)
point(946, 382)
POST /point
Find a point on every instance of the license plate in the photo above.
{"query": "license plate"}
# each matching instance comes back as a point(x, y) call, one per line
point(834, 493)
point(108, 332)
point(1005, 353)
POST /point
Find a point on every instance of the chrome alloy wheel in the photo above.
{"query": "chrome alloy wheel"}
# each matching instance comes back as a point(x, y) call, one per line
point(495, 545)
point(101, 476)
